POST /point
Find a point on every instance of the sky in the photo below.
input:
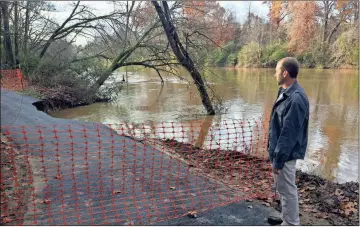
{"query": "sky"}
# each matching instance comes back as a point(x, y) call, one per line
point(240, 8)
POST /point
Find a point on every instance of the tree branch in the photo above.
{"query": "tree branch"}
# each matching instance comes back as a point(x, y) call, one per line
point(90, 57)
point(59, 32)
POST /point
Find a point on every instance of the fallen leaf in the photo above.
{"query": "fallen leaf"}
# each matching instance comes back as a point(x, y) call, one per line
point(250, 207)
point(302, 190)
point(47, 201)
point(7, 220)
point(342, 205)
point(349, 211)
point(323, 216)
point(338, 192)
point(58, 177)
point(172, 188)
point(314, 210)
point(266, 204)
point(193, 214)
point(301, 202)
point(307, 209)
point(312, 187)
point(349, 205)
point(306, 200)
point(117, 191)
point(356, 191)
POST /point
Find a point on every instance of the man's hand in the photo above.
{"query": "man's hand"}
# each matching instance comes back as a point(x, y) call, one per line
point(276, 171)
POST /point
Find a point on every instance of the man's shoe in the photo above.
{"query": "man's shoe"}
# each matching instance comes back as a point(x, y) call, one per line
point(273, 220)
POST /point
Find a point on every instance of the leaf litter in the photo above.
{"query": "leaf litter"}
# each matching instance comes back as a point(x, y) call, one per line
point(334, 202)
point(11, 160)
point(324, 199)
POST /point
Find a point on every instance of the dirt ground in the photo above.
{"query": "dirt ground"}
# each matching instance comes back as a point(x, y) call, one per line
point(321, 202)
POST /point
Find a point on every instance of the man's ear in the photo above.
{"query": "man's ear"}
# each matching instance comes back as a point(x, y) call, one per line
point(285, 73)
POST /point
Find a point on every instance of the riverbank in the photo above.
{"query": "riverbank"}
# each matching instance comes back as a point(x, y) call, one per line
point(319, 199)
point(52, 96)
point(60, 97)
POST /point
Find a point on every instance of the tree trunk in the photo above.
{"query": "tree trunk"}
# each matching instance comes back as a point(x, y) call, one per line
point(9, 59)
point(120, 59)
point(328, 39)
point(46, 46)
point(326, 18)
point(182, 55)
point(27, 25)
point(325, 26)
point(356, 13)
point(103, 77)
point(16, 34)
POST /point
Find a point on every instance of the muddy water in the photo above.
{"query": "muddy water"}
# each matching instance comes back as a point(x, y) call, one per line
point(246, 94)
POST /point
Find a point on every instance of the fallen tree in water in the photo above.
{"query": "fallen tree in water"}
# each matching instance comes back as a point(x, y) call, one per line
point(63, 97)
point(182, 54)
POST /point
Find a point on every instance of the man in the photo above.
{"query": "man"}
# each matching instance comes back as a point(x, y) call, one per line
point(288, 133)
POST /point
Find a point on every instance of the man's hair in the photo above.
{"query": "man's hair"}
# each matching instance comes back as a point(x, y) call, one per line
point(291, 65)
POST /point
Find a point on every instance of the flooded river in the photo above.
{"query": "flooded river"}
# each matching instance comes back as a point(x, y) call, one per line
point(247, 94)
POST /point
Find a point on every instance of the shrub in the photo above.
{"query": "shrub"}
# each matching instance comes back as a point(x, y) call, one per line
point(274, 52)
point(250, 55)
point(345, 50)
point(232, 60)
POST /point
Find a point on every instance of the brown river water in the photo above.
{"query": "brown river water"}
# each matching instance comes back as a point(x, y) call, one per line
point(333, 147)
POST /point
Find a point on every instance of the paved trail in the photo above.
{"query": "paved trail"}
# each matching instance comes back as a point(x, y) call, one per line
point(93, 162)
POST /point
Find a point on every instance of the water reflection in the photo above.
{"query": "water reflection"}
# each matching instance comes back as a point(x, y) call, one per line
point(204, 129)
point(248, 94)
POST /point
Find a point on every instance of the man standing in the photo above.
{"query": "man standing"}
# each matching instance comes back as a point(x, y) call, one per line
point(288, 134)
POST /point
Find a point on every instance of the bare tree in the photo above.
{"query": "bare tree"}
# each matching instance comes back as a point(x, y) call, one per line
point(7, 36)
point(27, 24)
point(16, 33)
point(82, 22)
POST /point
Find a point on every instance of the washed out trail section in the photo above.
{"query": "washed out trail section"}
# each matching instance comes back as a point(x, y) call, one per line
point(89, 174)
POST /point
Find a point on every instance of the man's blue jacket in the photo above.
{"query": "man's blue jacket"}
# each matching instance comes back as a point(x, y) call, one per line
point(288, 128)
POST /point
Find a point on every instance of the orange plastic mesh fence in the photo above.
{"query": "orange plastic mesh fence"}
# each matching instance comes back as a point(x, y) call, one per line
point(12, 79)
point(129, 174)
